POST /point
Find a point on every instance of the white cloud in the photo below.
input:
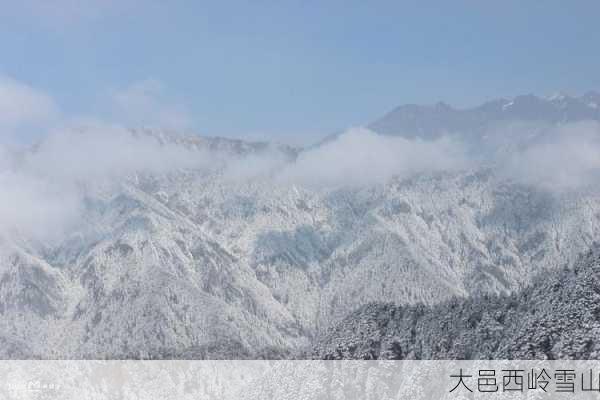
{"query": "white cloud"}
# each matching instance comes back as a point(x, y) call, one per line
point(43, 196)
point(105, 151)
point(22, 106)
point(146, 103)
point(42, 193)
point(564, 158)
point(360, 156)
point(42, 189)
point(36, 207)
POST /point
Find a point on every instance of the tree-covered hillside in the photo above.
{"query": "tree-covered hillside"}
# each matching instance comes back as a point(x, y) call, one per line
point(558, 317)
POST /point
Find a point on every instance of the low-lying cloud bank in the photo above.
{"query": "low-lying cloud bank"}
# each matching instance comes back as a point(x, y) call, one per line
point(564, 158)
point(101, 152)
point(557, 159)
point(23, 109)
point(360, 157)
point(42, 187)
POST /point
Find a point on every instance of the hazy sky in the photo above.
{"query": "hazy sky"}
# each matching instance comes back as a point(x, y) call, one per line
point(307, 67)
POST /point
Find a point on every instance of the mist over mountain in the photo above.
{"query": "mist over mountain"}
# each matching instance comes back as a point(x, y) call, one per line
point(151, 244)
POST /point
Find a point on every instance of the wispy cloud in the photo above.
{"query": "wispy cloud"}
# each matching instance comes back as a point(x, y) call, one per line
point(42, 188)
point(147, 103)
point(564, 158)
point(23, 107)
point(36, 207)
point(360, 157)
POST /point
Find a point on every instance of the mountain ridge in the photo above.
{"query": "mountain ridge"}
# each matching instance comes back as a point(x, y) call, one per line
point(428, 122)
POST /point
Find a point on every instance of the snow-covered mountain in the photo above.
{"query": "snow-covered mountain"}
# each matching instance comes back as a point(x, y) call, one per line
point(432, 121)
point(556, 318)
point(197, 262)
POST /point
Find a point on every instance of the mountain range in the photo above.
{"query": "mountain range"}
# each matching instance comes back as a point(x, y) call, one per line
point(432, 121)
point(189, 262)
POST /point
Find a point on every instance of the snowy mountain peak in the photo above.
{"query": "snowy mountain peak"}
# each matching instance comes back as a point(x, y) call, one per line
point(434, 121)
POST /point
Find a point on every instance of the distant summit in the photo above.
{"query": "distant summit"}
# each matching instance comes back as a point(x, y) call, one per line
point(431, 121)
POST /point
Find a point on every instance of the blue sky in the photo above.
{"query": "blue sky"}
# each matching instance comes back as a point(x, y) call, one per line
point(308, 68)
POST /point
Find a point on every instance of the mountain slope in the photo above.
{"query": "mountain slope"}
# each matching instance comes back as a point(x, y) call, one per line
point(558, 317)
point(186, 265)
